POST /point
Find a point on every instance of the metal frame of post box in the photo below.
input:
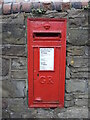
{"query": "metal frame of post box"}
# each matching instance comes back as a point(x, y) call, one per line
point(46, 43)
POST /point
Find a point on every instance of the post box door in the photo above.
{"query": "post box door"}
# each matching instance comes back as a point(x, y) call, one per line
point(46, 74)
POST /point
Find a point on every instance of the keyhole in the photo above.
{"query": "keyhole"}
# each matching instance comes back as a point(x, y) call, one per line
point(37, 74)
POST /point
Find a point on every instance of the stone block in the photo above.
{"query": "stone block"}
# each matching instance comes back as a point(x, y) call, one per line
point(81, 69)
point(0, 66)
point(67, 72)
point(13, 89)
point(76, 86)
point(75, 50)
point(77, 61)
point(13, 34)
point(17, 108)
point(69, 103)
point(80, 96)
point(19, 74)
point(78, 36)
point(78, 22)
point(14, 50)
point(74, 112)
point(55, 14)
point(81, 102)
point(5, 114)
point(69, 97)
point(80, 75)
point(18, 63)
point(75, 13)
point(41, 113)
point(5, 67)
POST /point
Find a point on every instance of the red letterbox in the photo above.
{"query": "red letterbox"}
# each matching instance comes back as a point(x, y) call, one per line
point(46, 62)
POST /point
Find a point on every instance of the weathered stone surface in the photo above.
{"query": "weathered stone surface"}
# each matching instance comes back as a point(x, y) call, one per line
point(18, 63)
point(19, 74)
point(81, 96)
point(13, 88)
point(81, 69)
point(75, 86)
point(14, 50)
point(69, 103)
point(41, 113)
point(0, 37)
point(67, 72)
point(55, 14)
point(5, 114)
point(5, 67)
point(69, 96)
point(0, 66)
point(75, 50)
point(78, 22)
point(13, 34)
point(16, 19)
point(74, 112)
point(77, 61)
point(81, 102)
point(31, 113)
point(80, 75)
point(77, 13)
point(78, 36)
point(78, 18)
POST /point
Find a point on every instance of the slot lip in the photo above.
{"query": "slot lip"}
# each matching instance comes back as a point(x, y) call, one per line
point(47, 36)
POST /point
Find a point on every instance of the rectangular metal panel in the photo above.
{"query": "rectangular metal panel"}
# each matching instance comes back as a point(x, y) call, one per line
point(46, 80)
point(46, 73)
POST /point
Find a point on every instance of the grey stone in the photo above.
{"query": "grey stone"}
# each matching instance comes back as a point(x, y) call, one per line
point(19, 74)
point(5, 114)
point(81, 69)
point(78, 36)
point(69, 103)
point(30, 114)
point(51, 14)
point(69, 96)
point(78, 22)
point(75, 50)
point(0, 66)
point(41, 113)
point(67, 72)
point(5, 66)
point(81, 102)
point(77, 61)
point(74, 112)
point(75, 85)
point(80, 75)
point(81, 96)
point(18, 63)
point(77, 13)
point(78, 18)
point(13, 89)
point(14, 50)
point(0, 38)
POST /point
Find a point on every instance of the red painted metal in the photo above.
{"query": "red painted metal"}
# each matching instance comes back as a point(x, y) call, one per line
point(46, 87)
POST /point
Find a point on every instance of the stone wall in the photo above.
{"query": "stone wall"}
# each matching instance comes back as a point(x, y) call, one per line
point(14, 66)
